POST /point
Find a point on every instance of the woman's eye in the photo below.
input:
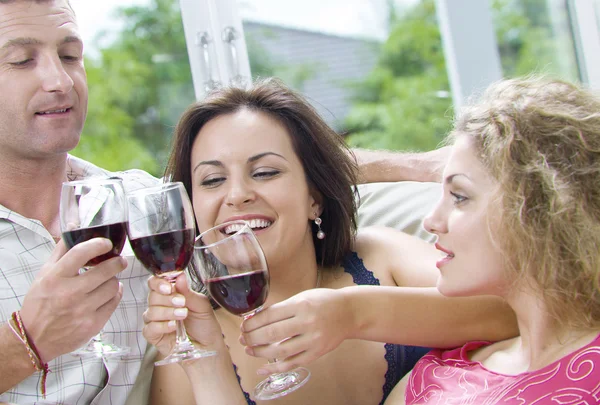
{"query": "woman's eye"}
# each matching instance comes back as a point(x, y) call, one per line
point(263, 174)
point(457, 198)
point(212, 181)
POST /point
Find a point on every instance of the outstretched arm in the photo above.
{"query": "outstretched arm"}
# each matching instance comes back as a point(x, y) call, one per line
point(381, 166)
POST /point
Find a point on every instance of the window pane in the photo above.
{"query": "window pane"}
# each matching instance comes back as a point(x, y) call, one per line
point(139, 81)
point(375, 72)
point(597, 9)
point(535, 36)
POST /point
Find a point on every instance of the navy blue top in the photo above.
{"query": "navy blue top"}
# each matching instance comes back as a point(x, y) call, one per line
point(400, 359)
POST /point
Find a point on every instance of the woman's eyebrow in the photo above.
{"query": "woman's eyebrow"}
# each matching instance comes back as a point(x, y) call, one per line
point(208, 163)
point(450, 178)
point(261, 155)
point(251, 159)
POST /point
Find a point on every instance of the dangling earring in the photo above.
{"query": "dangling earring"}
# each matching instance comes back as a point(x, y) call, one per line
point(320, 233)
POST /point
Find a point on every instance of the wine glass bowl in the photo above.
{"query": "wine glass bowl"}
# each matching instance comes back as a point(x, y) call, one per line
point(161, 231)
point(230, 262)
point(233, 268)
point(92, 208)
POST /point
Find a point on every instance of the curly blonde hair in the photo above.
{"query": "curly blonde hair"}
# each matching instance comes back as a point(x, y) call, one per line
point(540, 139)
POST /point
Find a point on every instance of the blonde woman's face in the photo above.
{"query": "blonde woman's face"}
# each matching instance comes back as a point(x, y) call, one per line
point(473, 264)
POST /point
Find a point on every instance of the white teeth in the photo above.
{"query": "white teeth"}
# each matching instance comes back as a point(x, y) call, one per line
point(254, 224)
point(54, 111)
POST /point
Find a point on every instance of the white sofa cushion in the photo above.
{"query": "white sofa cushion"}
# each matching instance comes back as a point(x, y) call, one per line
point(401, 205)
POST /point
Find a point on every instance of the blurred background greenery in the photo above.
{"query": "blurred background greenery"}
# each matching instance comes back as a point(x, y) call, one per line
point(141, 82)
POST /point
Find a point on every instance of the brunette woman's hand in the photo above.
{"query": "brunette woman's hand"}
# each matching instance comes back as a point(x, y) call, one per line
point(299, 330)
point(166, 306)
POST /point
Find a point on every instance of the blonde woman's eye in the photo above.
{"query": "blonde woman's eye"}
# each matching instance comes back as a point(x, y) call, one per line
point(457, 198)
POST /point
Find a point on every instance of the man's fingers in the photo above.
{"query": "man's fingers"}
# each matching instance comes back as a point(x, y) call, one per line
point(104, 292)
point(78, 256)
point(106, 310)
point(105, 271)
point(59, 251)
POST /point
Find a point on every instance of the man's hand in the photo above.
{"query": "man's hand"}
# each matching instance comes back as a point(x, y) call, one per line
point(64, 309)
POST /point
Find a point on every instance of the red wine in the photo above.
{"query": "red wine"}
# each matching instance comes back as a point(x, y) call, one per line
point(164, 253)
point(240, 293)
point(117, 233)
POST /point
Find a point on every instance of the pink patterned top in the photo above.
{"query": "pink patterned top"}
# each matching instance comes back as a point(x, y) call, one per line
point(449, 377)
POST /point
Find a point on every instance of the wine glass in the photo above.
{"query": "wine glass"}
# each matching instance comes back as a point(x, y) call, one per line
point(92, 208)
point(161, 231)
point(232, 266)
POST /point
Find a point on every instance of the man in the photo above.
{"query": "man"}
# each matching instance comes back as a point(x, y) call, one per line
point(42, 113)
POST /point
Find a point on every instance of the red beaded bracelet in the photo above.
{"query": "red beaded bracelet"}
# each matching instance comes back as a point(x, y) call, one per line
point(32, 351)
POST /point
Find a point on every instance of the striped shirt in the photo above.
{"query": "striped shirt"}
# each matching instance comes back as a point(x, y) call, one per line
point(25, 245)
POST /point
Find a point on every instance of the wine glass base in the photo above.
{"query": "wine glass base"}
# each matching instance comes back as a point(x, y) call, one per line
point(280, 384)
point(180, 356)
point(100, 349)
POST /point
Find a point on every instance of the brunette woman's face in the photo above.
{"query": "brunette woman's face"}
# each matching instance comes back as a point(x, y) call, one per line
point(244, 167)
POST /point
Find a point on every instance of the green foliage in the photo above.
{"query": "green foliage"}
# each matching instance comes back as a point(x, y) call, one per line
point(108, 137)
point(403, 103)
point(141, 82)
point(529, 40)
point(138, 88)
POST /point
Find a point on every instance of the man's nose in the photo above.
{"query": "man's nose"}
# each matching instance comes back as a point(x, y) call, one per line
point(55, 77)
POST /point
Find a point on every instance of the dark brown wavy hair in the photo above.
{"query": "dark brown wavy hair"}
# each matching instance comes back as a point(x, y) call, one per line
point(331, 171)
point(540, 139)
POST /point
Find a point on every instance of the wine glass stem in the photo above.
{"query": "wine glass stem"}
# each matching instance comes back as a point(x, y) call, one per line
point(181, 337)
point(273, 376)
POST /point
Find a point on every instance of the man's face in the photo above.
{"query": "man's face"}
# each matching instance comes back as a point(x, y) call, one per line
point(42, 80)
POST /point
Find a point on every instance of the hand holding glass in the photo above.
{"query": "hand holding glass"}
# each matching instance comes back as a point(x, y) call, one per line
point(232, 265)
point(93, 208)
point(161, 231)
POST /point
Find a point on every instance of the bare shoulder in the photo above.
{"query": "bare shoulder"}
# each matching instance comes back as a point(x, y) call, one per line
point(408, 260)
